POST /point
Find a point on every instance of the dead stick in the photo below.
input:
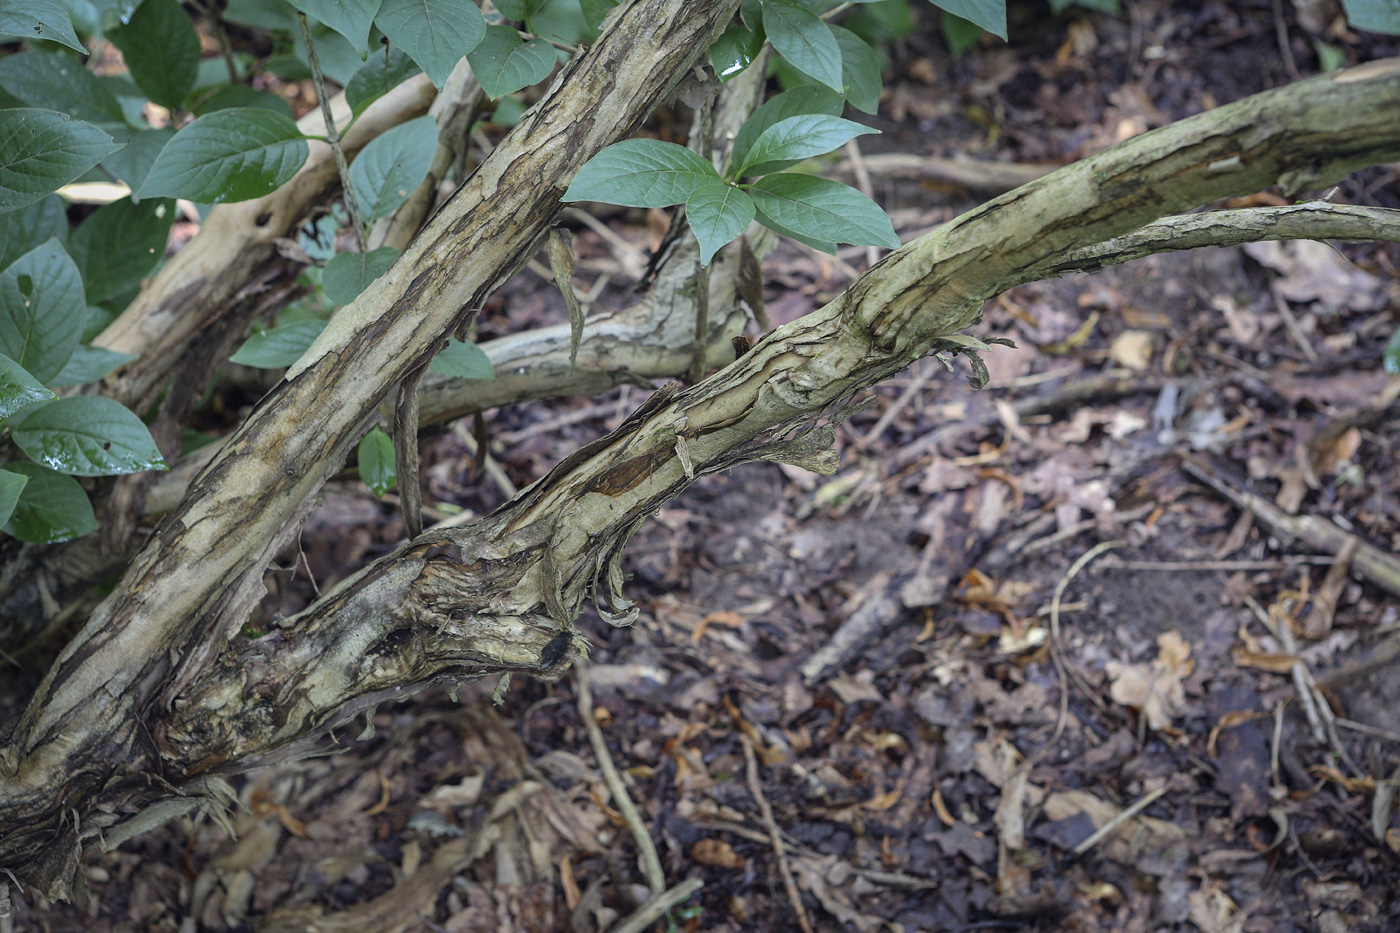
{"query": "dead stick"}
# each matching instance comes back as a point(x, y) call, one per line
point(774, 835)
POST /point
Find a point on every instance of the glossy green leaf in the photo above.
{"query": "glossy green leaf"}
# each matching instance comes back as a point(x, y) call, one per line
point(800, 36)
point(641, 173)
point(22, 230)
point(435, 33)
point(383, 71)
point(41, 310)
point(823, 210)
point(860, 70)
point(119, 245)
point(161, 50)
point(520, 9)
point(1390, 358)
point(11, 485)
point(88, 364)
point(375, 459)
point(809, 99)
point(385, 173)
point(39, 19)
point(958, 34)
point(503, 62)
point(87, 435)
point(348, 274)
point(58, 82)
point(41, 151)
point(350, 18)
point(111, 13)
point(274, 15)
point(51, 507)
point(228, 155)
point(1374, 15)
point(789, 141)
point(240, 95)
point(279, 346)
point(594, 11)
point(133, 163)
point(989, 14)
point(718, 213)
point(735, 49)
point(18, 389)
point(463, 359)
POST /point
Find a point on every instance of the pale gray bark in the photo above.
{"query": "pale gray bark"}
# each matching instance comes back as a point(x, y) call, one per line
point(153, 699)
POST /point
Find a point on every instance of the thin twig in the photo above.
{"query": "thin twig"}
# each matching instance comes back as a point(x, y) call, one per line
point(774, 835)
point(1290, 323)
point(1056, 647)
point(1097, 836)
point(1284, 47)
point(657, 905)
point(872, 253)
point(332, 134)
point(651, 863)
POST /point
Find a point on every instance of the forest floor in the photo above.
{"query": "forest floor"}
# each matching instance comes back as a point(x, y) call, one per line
point(1030, 660)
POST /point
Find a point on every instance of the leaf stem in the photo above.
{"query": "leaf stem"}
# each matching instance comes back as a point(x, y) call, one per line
point(332, 137)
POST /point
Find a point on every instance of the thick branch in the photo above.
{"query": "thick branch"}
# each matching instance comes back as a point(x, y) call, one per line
point(200, 574)
point(205, 278)
point(563, 534)
point(1313, 220)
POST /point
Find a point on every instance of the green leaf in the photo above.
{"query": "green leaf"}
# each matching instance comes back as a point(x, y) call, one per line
point(88, 364)
point(375, 458)
point(51, 508)
point(280, 346)
point(41, 310)
point(1373, 15)
point(350, 18)
point(11, 485)
point(463, 359)
point(959, 34)
point(18, 389)
point(240, 95)
point(800, 36)
point(348, 274)
point(24, 229)
point(119, 245)
point(735, 49)
point(274, 15)
point(641, 173)
point(595, 11)
point(339, 59)
point(860, 70)
point(809, 99)
point(39, 19)
point(228, 155)
point(378, 75)
point(435, 33)
point(1390, 358)
point(41, 151)
point(502, 62)
point(718, 213)
point(789, 141)
point(519, 10)
point(824, 210)
point(57, 82)
point(133, 163)
point(385, 173)
point(989, 14)
point(161, 50)
point(111, 13)
point(87, 435)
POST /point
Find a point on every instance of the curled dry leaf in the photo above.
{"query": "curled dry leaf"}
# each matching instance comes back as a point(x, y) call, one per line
point(1156, 688)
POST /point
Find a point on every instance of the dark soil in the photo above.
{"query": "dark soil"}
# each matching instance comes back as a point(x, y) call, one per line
point(950, 679)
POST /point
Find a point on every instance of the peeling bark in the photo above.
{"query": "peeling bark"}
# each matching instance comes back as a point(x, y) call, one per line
point(152, 700)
